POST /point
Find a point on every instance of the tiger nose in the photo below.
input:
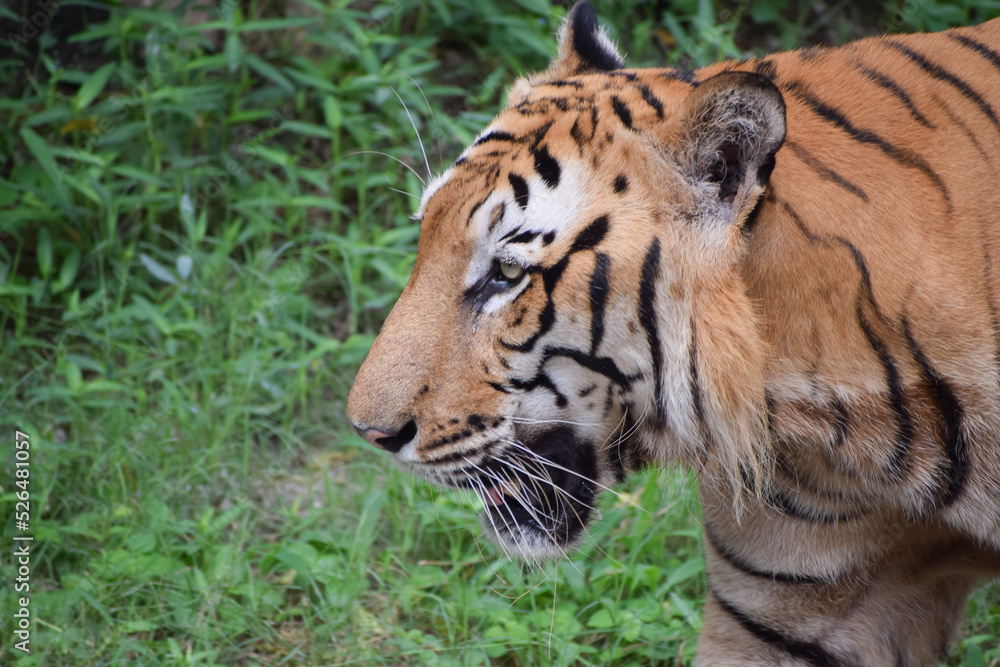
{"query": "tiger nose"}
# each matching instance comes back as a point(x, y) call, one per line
point(390, 442)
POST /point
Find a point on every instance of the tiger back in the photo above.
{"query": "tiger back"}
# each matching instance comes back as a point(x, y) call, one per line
point(782, 272)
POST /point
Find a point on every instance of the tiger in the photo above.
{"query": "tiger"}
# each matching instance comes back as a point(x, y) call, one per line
point(781, 272)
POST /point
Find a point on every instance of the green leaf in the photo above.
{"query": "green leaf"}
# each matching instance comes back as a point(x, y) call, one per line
point(157, 269)
point(44, 252)
point(145, 309)
point(68, 271)
point(331, 109)
point(184, 264)
point(974, 656)
point(689, 569)
point(307, 129)
point(74, 379)
point(92, 87)
point(269, 72)
point(44, 154)
point(234, 51)
point(134, 173)
point(277, 24)
point(601, 619)
point(187, 215)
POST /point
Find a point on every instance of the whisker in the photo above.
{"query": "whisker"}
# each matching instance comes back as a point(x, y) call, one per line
point(547, 462)
point(412, 170)
point(545, 480)
point(437, 130)
point(523, 420)
point(489, 516)
point(404, 192)
point(494, 477)
point(415, 130)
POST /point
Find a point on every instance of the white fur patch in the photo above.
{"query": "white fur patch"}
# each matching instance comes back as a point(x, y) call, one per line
point(432, 188)
point(554, 210)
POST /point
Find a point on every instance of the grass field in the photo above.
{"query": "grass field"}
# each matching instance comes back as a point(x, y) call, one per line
point(204, 216)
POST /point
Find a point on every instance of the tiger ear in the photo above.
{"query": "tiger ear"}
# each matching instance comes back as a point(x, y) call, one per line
point(583, 45)
point(731, 126)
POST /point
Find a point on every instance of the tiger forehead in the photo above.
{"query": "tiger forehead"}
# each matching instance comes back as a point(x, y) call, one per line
point(552, 124)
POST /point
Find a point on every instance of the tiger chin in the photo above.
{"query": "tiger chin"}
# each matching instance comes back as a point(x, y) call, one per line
point(783, 273)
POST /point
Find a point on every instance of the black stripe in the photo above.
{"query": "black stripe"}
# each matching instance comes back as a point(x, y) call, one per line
point(840, 422)
point(576, 134)
point(648, 320)
point(585, 240)
point(781, 501)
point(606, 366)
point(960, 124)
point(814, 654)
point(812, 53)
point(544, 105)
point(525, 237)
point(765, 68)
point(622, 111)
point(825, 172)
point(598, 299)
point(545, 321)
point(695, 387)
point(950, 409)
point(592, 235)
point(448, 439)
point(475, 207)
point(540, 380)
point(861, 135)
point(978, 47)
point(547, 167)
point(939, 72)
point(512, 233)
point(894, 88)
point(737, 562)
point(496, 216)
point(630, 76)
point(577, 131)
point(687, 76)
point(801, 483)
point(497, 135)
point(651, 100)
point(520, 189)
point(899, 462)
point(539, 134)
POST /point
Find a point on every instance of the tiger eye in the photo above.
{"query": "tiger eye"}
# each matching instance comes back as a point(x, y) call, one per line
point(510, 270)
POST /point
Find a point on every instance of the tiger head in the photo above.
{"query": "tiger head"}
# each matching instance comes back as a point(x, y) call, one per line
point(576, 306)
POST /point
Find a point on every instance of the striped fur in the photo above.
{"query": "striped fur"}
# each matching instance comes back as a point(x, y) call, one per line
point(783, 272)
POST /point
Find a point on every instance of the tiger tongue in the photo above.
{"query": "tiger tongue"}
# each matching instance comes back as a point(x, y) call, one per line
point(494, 496)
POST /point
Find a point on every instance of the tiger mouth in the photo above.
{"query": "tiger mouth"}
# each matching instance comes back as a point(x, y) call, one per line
point(538, 497)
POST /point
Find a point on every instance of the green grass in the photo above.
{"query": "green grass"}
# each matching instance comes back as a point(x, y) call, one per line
point(200, 235)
